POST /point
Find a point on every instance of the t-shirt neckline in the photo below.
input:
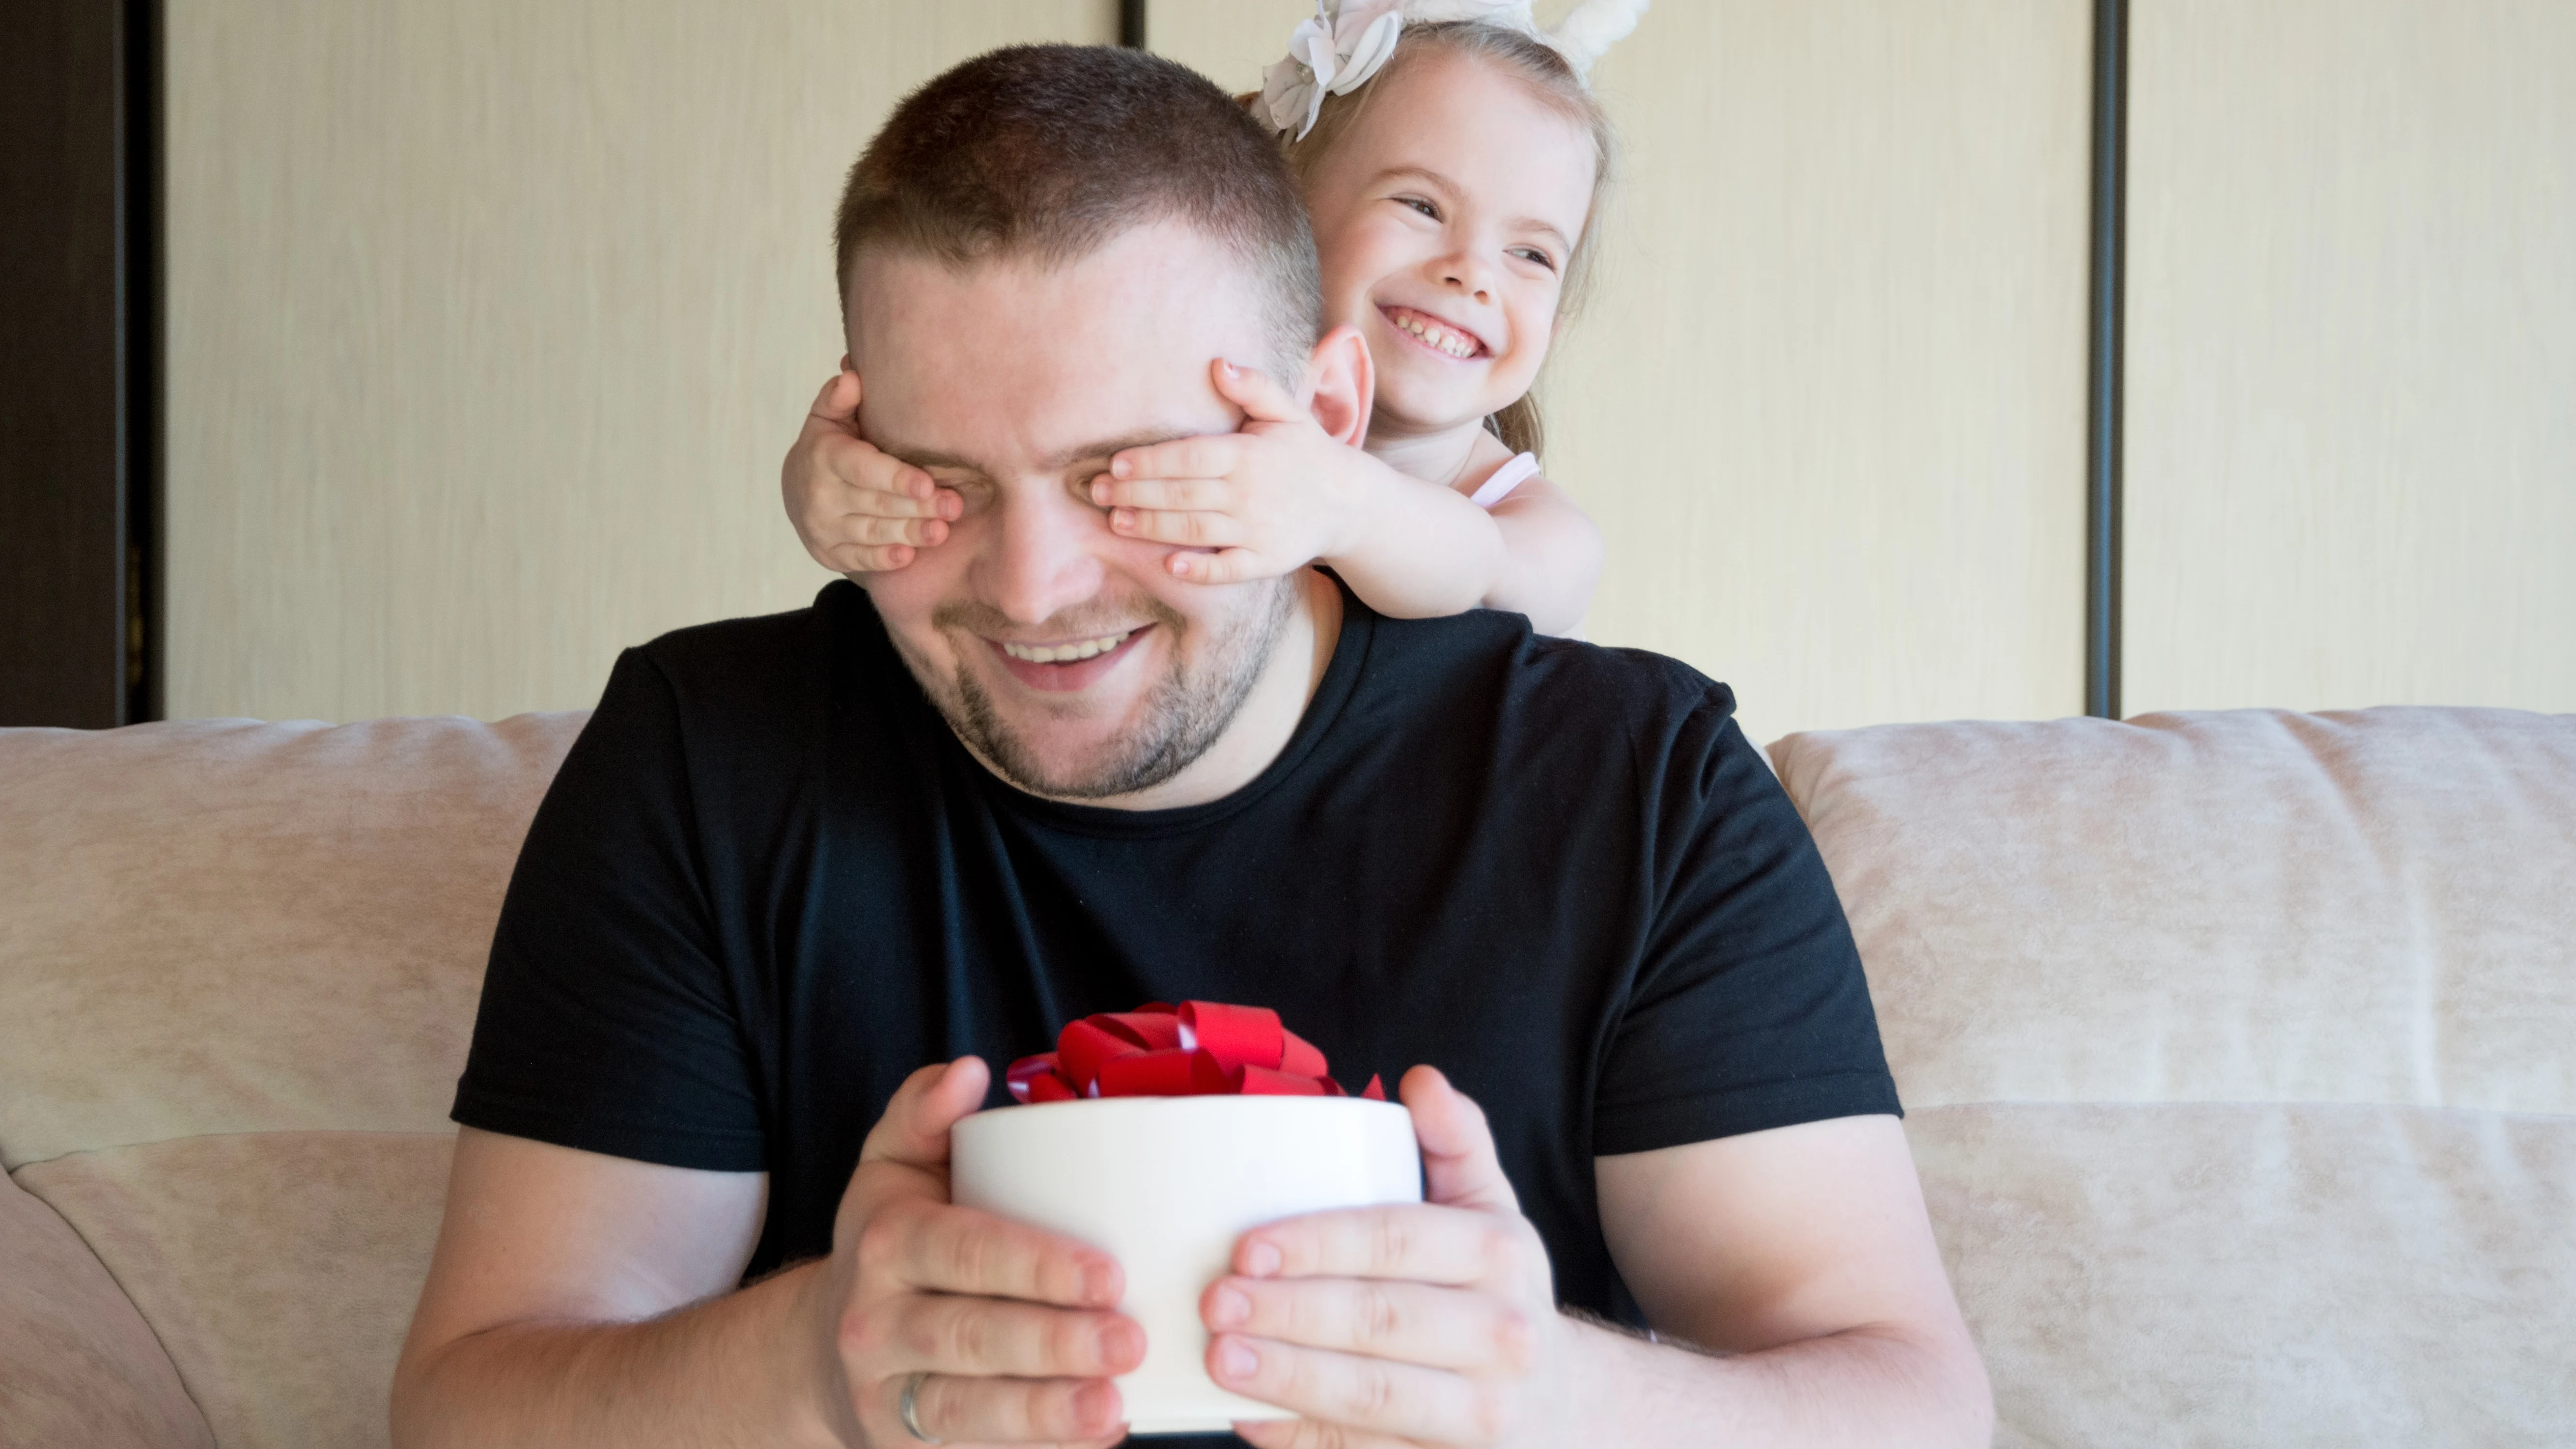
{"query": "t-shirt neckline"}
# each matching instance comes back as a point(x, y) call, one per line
point(1341, 680)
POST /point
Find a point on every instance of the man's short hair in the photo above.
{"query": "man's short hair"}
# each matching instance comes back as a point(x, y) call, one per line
point(1047, 152)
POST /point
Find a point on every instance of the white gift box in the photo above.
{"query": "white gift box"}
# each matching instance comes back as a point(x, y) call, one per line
point(1167, 1185)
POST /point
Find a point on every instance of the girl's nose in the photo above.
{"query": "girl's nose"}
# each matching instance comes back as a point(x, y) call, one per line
point(1468, 273)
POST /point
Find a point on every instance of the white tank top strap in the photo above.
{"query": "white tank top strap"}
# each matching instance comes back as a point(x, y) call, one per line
point(1505, 478)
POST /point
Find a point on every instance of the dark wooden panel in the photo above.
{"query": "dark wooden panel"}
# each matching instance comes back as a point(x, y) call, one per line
point(65, 444)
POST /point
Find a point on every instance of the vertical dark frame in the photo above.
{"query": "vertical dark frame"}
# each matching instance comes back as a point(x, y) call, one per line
point(139, 379)
point(2103, 393)
point(79, 363)
point(1131, 24)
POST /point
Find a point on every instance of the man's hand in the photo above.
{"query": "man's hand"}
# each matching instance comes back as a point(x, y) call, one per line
point(1434, 1323)
point(1013, 1329)
point(857, 509)
point(1256, 503)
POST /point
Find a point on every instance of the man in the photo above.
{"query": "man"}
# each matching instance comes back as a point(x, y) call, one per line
point(1033, 776)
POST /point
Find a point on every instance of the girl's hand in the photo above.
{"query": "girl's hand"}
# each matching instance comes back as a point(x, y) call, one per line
point(1254, 504)
point(857, 509)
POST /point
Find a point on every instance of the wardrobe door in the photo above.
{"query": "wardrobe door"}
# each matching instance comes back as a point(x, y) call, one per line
point(490, 322)
point(1828, 403)
point(2351, 427)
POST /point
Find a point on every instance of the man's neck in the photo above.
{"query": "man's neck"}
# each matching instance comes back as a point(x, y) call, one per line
point(1270, 712)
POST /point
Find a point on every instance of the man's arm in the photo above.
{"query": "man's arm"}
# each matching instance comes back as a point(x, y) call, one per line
point(1800, 1257)
point(579, 1299)
point(1803, 1260)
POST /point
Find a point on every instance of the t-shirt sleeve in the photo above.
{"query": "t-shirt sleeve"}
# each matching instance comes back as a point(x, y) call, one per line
point(1749, 1009)
point(608, 1022)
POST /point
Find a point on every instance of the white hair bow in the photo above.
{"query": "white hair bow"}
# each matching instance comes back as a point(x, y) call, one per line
point(1348, 41)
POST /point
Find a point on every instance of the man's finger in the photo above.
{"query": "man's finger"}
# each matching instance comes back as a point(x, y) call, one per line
point(1004, 1411)
point(1451, 1328)
point(1262, 400)
point(1459, 1164)
point(1378, 1395)
point(1308, 1434)
point(1413, 1242)
point(952, 1334)
point(1209, 455)
point(1189, 530)
point(1181, 493)
point(948, 1249)
point(914, 1129)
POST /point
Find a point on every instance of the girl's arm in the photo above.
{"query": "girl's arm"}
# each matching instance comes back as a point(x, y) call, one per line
point(1551, 557)
point(1280, 494)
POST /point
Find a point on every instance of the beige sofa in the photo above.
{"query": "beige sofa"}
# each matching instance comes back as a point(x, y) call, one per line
point(2240, 1048)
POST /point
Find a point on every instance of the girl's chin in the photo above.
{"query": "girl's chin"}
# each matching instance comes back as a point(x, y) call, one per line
point(1424, 416)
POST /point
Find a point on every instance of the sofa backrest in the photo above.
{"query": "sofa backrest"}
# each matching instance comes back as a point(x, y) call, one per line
point(238, 968)
point(2239, 1051)
point(2235, 1048)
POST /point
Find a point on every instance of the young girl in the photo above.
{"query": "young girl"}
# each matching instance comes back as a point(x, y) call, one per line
point(1452, 168)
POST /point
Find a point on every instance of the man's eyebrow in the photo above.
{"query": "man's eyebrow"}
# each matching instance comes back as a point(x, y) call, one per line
point(1068, 457)
point(1057, 462)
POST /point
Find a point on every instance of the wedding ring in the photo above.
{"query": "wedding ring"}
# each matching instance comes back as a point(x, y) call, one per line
point(904, 1410)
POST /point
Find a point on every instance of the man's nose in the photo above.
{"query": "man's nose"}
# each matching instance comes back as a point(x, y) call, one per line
point(1045, 553)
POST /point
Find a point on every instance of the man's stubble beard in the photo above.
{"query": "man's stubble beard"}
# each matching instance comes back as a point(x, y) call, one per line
point(1187, 711)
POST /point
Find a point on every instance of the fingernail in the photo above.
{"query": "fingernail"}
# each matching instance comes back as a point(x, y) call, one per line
point(1120, 467)
point(1096, 1404)
point(1100, 494)
point(1228, 1307)
point(1121, 520)
point(1119, 1348)
point(1260, 1259)
point(1099, 1283)
point(1230, 369)
point(1235, 1359)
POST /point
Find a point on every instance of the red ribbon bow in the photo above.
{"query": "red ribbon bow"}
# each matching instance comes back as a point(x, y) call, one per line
point(1197, 1049)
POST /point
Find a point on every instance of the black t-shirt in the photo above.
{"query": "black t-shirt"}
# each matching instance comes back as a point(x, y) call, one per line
point(769, 883)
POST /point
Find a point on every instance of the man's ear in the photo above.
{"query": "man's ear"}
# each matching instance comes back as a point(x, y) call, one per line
point(1340, 385)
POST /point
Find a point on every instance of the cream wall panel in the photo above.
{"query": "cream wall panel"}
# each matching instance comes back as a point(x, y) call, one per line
point(1228, 41)
point(489, 323)
point(2351, 421)
point(1828, 402)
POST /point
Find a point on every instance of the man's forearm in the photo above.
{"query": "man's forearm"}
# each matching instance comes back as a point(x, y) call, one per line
point(1861, 1388)
point(735, 1370)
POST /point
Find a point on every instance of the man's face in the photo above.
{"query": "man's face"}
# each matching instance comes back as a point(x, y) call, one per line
point(1068, 657)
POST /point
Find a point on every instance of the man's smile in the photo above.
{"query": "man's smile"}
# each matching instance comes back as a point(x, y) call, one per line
point(1062, 666)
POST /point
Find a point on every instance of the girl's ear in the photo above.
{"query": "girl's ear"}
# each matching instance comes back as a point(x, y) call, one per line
point(1340, 386)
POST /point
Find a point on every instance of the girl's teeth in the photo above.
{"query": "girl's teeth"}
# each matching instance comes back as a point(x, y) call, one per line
point(1446, 339)
point(1064, 653)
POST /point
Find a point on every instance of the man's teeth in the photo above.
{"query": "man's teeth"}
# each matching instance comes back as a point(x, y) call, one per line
point(1064, 653)
point(1446, 339)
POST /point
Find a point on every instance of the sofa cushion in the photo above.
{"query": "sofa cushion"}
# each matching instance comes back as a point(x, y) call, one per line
point(2235, 1052)
point(2245, 906)
point(224, 926)
point(279, 1268)
point(80, 1365)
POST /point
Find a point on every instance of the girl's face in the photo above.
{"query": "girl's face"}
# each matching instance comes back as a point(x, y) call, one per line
point(1444, 218)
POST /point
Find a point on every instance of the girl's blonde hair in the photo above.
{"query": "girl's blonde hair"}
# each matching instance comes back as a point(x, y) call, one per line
point(1547, 75)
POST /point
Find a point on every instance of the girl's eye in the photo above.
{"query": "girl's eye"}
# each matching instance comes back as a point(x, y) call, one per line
point(1420, 205)
point(1533, 254)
